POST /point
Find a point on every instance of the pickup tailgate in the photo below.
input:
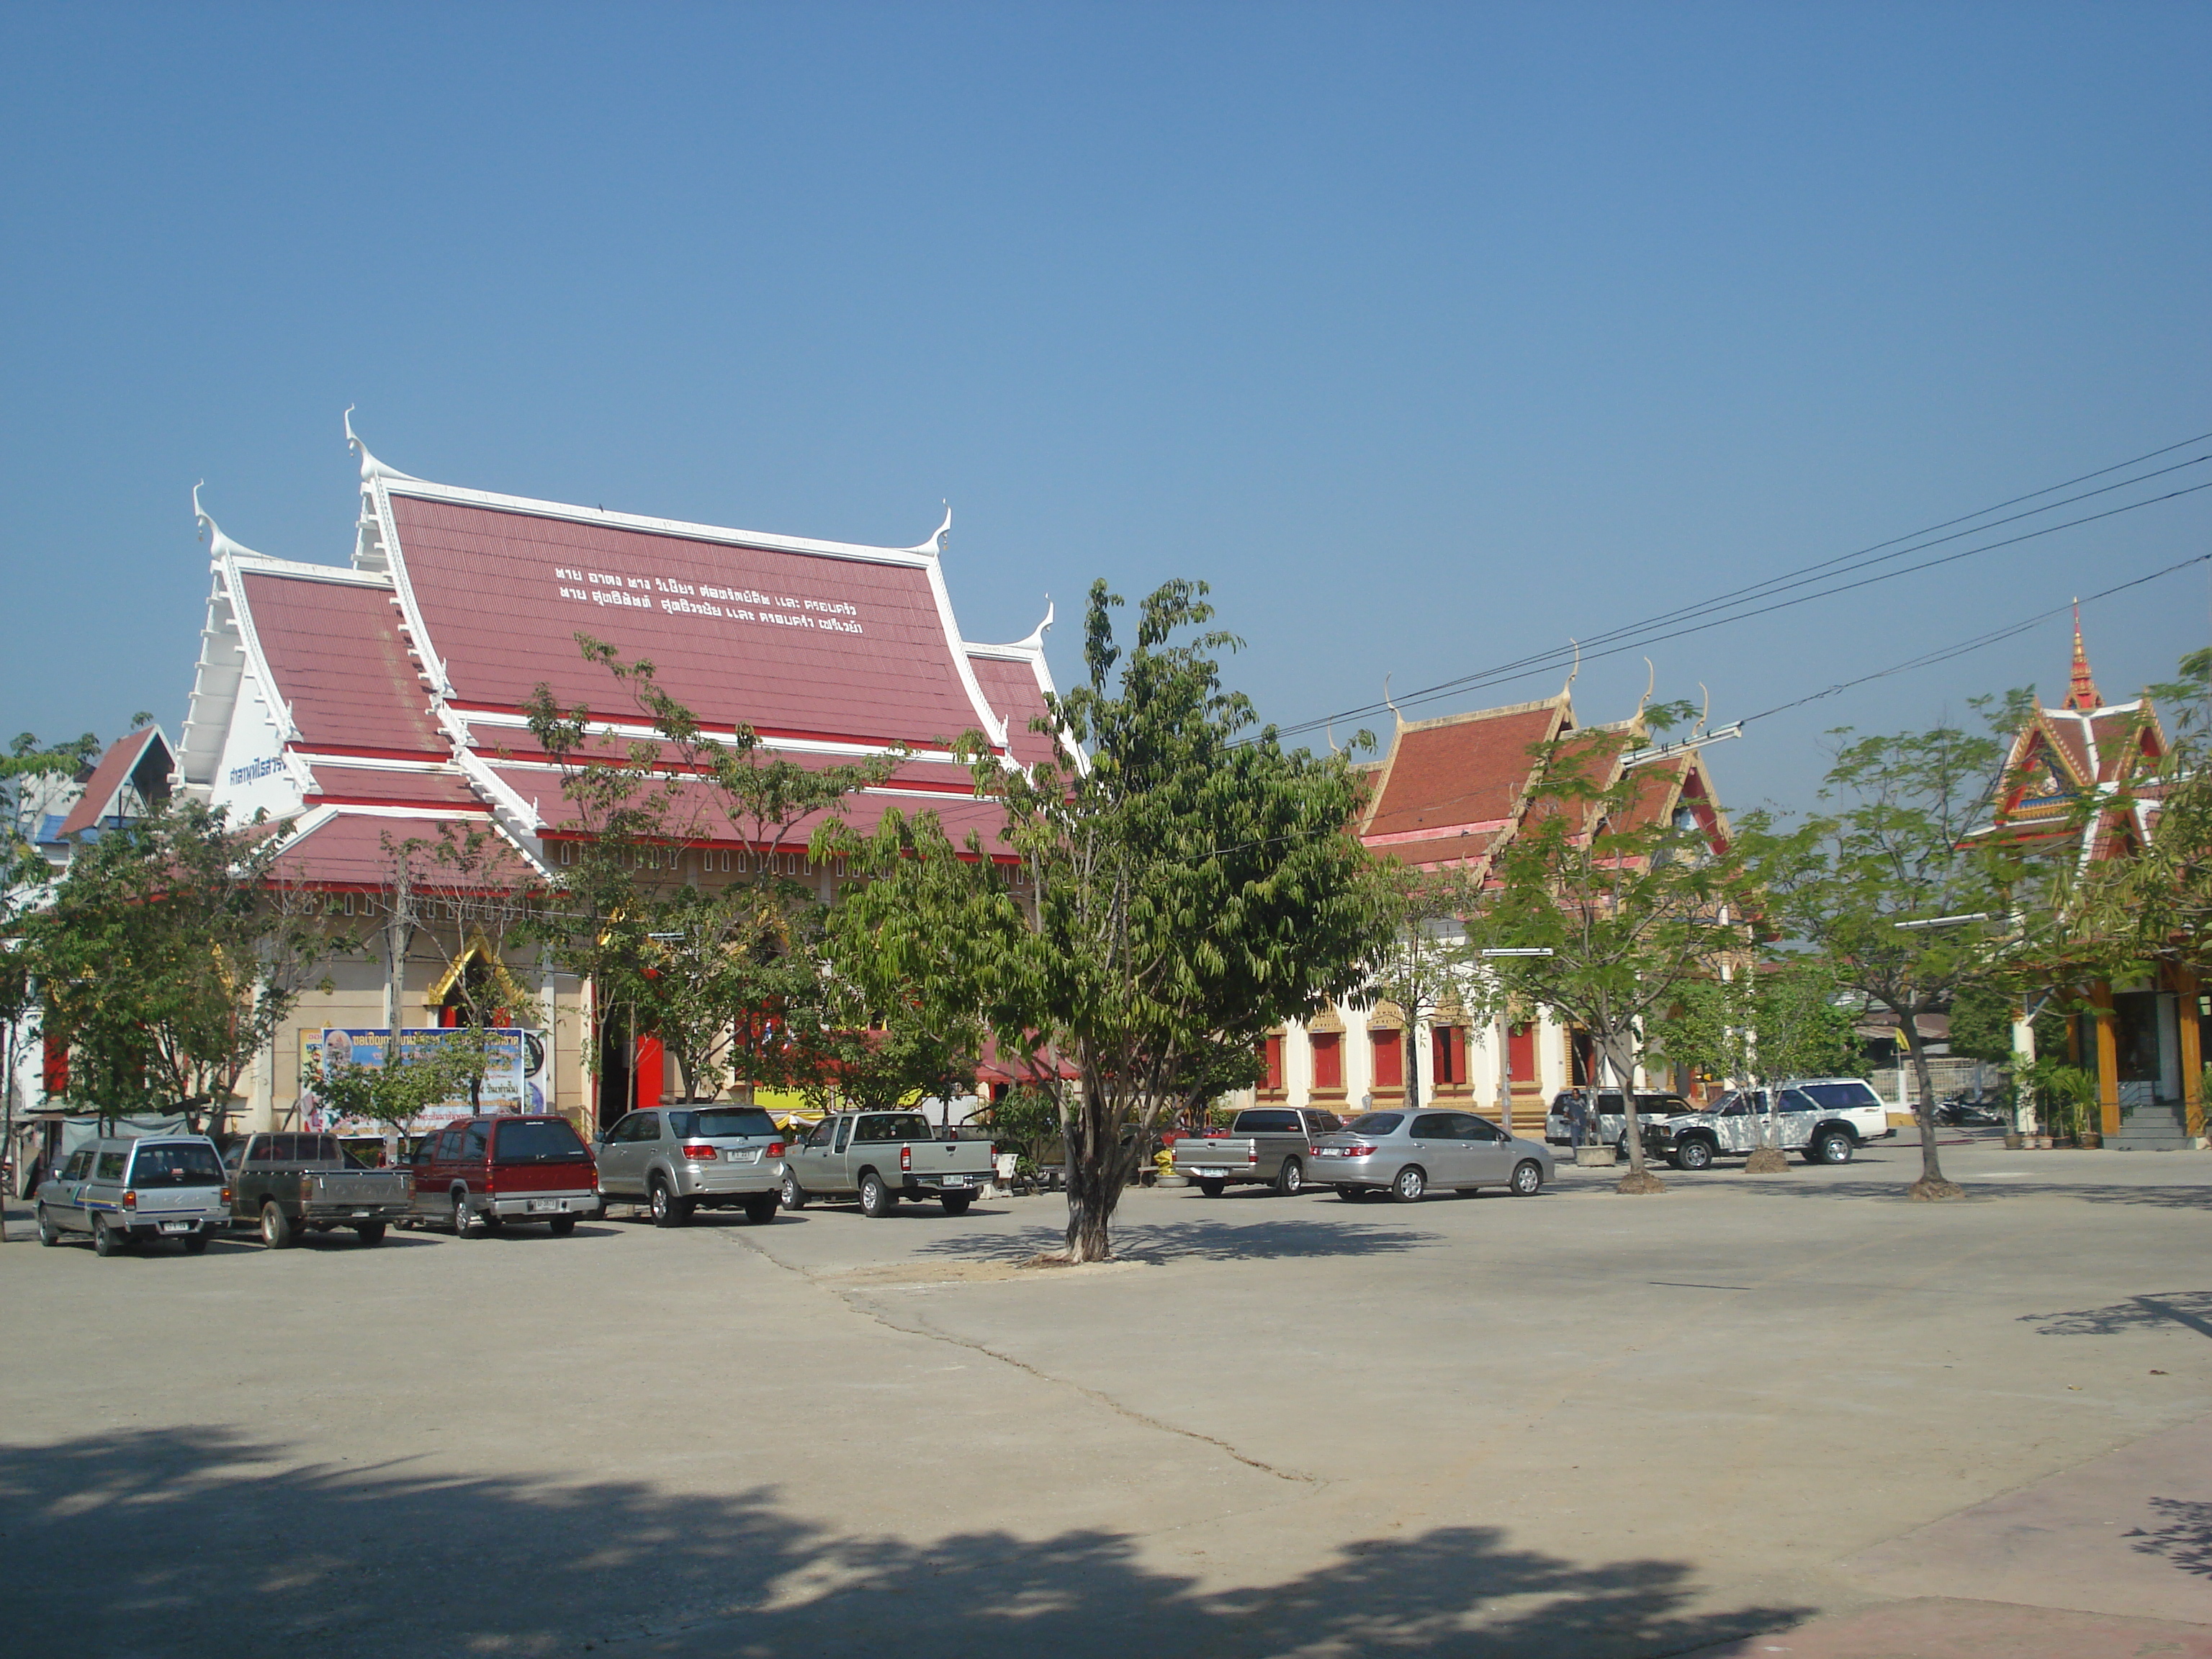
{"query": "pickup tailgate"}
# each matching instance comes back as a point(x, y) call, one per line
point(1224, 1155)
point(357, 1189)
point(955, 1163)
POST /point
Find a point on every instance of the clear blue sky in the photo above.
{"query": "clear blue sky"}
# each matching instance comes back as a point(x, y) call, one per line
point(1427, 336)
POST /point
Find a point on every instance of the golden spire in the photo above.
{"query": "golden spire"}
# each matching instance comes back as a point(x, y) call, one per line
point(2083, 694)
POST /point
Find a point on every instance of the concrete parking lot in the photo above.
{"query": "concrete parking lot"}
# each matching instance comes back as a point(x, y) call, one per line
point(1795, 1408)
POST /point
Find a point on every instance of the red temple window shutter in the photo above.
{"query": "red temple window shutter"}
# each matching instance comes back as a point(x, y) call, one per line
point(1271, 1059)
point(1521, 1052)
point(55, 1060)
point(1447, 1053)
point(1389, 1057)
point(1327, 1060)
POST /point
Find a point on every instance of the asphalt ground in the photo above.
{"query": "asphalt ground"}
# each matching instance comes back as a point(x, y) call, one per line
point(1754, 1415)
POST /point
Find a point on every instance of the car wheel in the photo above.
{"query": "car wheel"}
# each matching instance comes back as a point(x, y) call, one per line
point(370, 1232)
point(1833, 1147)
point(1409, 1186)
point(876, 1200)
point(47, 1234)
point(463, 1222)
point(562, 1225)
point(1291, 1178)
point(761, 1208)
point(275, 1226)
point(103, 1236)
point(668, 1209)
point(1213, 1188)
point(1693, 1154)
point(1620, 1150)
point(1527, 1178)
point(956, 1203)
point(793, 1195)
point(196, 1244)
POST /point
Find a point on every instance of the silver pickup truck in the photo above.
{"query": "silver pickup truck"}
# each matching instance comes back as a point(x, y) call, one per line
point(882, 1157)
point(290, 1184)
point(1267, 1145)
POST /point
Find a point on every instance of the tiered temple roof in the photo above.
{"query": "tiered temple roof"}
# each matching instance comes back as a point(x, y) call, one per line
point(385, 700)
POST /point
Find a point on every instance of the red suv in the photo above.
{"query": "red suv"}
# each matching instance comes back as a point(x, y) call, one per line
point(481, 1173)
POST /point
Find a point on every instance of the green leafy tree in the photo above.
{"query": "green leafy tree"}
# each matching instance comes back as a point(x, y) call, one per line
point(1429, 961)
point(726, 971)
point(1188, 887)
point(1630, 908)
point(169, 957)
point(1894, 846)
point(29, 761)
point(1760, 1024)
point(409, 1083)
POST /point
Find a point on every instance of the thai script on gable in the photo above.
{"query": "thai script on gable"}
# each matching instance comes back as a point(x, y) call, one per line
point(267, 766)
point(680, 599)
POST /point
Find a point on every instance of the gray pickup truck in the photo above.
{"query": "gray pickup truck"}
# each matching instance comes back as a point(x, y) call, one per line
point(1267, 1145)
point(288, 1184)
point(882, 1157)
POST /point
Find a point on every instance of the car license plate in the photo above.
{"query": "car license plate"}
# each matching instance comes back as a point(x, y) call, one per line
point(176, 1226)
point(956, 1180)
point(540, 1206)
point(1210, 1172)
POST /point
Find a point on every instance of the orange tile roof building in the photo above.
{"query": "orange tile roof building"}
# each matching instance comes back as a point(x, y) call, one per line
point(1450, 793)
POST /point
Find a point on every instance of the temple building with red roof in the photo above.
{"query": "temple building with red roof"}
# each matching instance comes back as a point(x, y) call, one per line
point(2081, 783)
point(382, 701)
point(1451, 792)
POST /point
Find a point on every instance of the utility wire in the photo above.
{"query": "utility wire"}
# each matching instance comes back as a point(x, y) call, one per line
point(1946, 653)
point(1893, 549)
point(1637, 638)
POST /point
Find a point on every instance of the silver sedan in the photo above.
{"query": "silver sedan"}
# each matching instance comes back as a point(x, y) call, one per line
point(1406, 1154)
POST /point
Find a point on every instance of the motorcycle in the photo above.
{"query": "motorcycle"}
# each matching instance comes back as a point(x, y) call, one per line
point(1963, 1113)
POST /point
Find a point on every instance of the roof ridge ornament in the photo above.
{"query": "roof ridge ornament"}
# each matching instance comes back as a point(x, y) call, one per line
point(370, 466)
point(1034, 641)
point(2081, 693)
point(936, 544)
point(219, 545)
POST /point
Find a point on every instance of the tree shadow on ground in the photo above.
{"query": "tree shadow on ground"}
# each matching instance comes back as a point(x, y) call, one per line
point(1288, 1238)
point(2193, 1309)
point(1981, 1190)
point(182, 1541)
point(2185, 1540)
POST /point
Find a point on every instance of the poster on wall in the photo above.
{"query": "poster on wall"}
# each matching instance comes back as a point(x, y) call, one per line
point(518, 1080)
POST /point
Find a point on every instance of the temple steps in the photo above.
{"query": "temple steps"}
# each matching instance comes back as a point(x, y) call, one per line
point(2154, 1129)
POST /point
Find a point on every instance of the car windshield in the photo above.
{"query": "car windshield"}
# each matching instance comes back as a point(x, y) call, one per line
point(539, 1140)
point(176, 1166)
point(725, 1121)
point(1840, 1097)
point(1376, 1123)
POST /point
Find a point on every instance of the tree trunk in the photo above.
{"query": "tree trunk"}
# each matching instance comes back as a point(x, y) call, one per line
point(1095, 1173)
point(1932, 1183)
point(1620, 1060)
point(1410, 1039)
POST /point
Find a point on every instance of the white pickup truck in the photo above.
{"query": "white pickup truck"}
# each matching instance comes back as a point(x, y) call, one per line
point(1823, 1119)
point(881, 1157)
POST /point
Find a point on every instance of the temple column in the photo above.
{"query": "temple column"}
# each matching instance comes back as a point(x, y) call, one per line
point(2108, 1057)
point(2186, 988)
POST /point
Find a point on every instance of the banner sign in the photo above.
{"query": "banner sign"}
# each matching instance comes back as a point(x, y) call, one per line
point(517, 1080)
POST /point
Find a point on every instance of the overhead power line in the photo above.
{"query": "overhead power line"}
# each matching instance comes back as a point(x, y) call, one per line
point(1743, 604)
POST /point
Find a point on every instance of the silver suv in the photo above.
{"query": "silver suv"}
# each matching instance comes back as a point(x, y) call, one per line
point(127, 1192)
point(676, 1160)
